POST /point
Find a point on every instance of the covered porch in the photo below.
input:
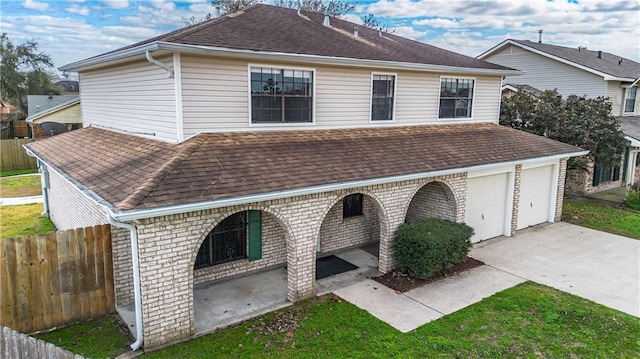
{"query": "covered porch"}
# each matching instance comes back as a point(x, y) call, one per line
point(221, 303)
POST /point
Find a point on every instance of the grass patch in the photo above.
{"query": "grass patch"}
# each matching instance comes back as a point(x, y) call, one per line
point(97, 338)
point(22, 186)
point(526, 321)
point(602, 217)
point(24, 220)
point(18, 172)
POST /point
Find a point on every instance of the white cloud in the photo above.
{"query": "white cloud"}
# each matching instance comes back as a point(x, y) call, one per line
point(79, 10)
point(409, 32)
point(35, 5)
point(133, 32)
point(163, 4)
point(438, 23)
point(116, 4)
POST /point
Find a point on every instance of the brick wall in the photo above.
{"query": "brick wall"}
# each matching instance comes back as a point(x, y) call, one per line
point(562, 174)
point(337, 232)
point(169, 245)
point(580, 181)
point(69, 208)
point(434, 199)
point(122, 267)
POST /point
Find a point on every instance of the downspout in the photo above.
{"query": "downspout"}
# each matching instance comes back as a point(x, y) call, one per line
point(159, 64)
point(137, 294)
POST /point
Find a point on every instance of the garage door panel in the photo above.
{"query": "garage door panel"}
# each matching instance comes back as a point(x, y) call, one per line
point(486, 205)
point(535, 196)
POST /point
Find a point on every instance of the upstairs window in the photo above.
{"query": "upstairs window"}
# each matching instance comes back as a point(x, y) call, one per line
point(456, 97)
point(281, 95)
point(352, 205)
point(382, 96)
point(630, 100)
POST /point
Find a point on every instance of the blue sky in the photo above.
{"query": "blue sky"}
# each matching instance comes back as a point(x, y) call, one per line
point(71, 30)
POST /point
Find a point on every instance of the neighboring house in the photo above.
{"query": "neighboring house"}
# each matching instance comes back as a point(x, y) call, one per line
point(68, 87)
point(66, 113)
point(582, 72)
point(509, 90)
point(228, 147)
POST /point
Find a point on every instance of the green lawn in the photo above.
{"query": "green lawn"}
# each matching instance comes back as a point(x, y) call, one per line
point(526, 321)
point(18, 172)
point(602, 217)
point(97, 338)
point(21, 186)
point(18, 221)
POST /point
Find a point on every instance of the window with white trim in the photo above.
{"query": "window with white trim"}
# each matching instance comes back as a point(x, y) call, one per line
point(456, 97)
point(382, 96)
point(630, 99)
point(281, 95)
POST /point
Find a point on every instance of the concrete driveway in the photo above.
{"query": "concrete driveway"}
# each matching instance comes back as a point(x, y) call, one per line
point(598, 266)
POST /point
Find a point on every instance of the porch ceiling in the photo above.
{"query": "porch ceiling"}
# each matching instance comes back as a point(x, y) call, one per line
point(130, 172)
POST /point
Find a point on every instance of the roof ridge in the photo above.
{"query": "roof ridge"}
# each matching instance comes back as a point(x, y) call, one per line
point(142, 191)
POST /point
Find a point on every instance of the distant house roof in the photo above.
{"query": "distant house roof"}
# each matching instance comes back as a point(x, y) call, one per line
point(269, 30)
point(39, 103)
point(127, 172)
point(516, 87)
point(630, 126)
point(59, 107)
point(608, 64)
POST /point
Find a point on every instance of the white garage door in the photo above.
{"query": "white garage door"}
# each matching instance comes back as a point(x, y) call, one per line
point(535, 196)
point(486, 205)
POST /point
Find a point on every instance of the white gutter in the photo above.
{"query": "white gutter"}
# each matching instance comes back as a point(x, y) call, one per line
point(159, 64)
point(135, 263)
point(278, 56)
point(183, 208)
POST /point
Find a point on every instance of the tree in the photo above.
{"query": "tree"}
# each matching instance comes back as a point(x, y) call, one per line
point(333, 7)
point(370, 21)
point(231, 6)
point(576, 120)
point(23, 71)
point(194, 20)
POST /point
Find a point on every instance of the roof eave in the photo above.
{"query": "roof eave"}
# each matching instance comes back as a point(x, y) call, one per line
point(270, 55)
point(60, 107)
point(634, 141)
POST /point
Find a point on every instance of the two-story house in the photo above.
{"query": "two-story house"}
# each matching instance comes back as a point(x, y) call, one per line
point(269, 138)
point(582, 72)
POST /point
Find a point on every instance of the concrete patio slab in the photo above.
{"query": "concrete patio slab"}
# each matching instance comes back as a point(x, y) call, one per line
point(595, 265)
point(367, 267)
point(399, 311)
point(16, 201)
point(461, 290)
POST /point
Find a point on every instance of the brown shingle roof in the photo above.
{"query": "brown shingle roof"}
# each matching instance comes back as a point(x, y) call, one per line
point(131, 172)
point(276, 29)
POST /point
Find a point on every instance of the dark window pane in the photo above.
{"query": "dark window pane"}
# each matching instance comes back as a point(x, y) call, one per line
point(280, 91)
point(456, 98)
point(226, 242)
point(352, 205)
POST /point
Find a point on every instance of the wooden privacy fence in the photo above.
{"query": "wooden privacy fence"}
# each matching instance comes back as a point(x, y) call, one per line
point(14, 157)
point(56, 278)
point(16, 345)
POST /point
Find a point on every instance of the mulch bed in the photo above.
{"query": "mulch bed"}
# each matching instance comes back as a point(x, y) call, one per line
point(402, 282)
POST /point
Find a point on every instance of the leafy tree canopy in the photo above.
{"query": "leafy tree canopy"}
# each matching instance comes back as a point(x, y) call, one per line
point(576, 120)
point(23, 71)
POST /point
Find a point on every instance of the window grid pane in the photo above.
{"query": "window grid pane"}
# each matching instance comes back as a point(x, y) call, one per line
point(630, 100)
point(456, 98)
point(382, 97)
point(281, 95)
point(226, 242)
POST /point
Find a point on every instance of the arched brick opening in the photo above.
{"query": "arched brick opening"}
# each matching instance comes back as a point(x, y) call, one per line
point(275, 242)
point(434, 199)
point(340, 230)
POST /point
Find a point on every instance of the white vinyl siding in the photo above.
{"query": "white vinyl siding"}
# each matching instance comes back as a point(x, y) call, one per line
point(215, 97)
point(546, 74)
point(136, 97)
point(616, 93)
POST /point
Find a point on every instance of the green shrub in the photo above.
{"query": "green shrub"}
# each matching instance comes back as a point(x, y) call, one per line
point(422, 249)
point(633, 197)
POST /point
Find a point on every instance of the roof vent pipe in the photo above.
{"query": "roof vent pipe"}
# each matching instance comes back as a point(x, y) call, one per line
point(355, 31)
point(380, 32)
point(599, 54)
point(620, 61)
point(216, 12)
point(326, 19)
point(540, 36)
